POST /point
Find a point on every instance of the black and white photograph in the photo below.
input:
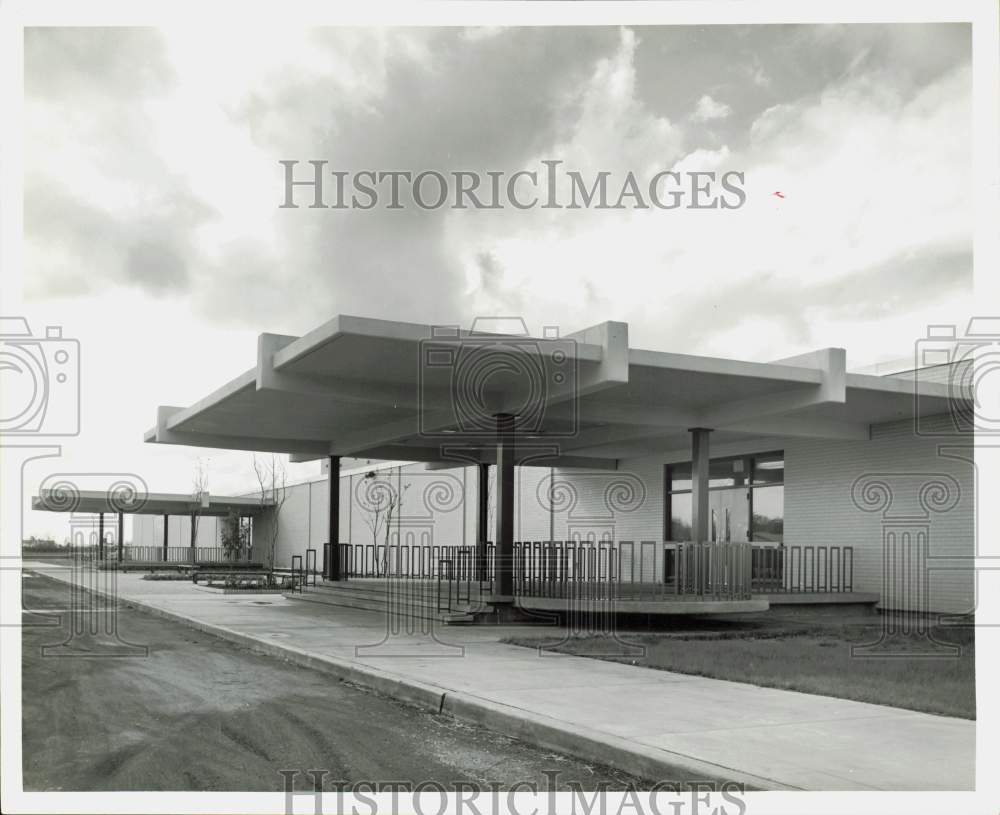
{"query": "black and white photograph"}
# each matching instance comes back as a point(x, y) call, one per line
point(483, 408)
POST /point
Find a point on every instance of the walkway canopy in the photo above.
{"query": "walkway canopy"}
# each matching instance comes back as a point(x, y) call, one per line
point(402, 391)
point(138, 503)
point(127, 498)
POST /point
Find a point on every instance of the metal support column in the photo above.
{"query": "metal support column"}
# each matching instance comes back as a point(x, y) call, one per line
point(699, 484)
point(504, 584)
point(121, 536)
point(333, 530)
point(482, 521)
point(166, 525)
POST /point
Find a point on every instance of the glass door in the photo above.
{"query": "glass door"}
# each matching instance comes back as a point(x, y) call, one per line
point(729, 515)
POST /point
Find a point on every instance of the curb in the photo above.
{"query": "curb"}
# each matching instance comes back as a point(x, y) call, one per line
point(592, 745)
point(542, 731)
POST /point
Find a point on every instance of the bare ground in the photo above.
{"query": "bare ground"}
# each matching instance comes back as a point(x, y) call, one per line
point(199, 713)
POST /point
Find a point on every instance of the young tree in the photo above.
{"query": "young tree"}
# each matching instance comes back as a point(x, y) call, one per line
point(200, 484)
point(272, 481)
point(379, 502)
point(234, 535)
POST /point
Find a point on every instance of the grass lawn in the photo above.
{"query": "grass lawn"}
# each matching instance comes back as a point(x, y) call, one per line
point(812, 657)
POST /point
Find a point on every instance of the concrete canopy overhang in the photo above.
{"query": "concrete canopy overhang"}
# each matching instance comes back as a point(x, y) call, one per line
point(404, 391)
point(153, 503)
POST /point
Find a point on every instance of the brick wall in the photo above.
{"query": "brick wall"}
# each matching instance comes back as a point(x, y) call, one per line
point(821, 508)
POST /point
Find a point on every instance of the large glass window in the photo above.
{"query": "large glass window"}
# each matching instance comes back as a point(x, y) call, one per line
point(680, 517)
point(746, 499)
point(768, 514)
point(769, 469)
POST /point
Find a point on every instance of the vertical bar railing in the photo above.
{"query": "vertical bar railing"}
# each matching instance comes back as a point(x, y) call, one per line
point(310, 565)
point(594, 568)
point(789, 569)
point(444, 572)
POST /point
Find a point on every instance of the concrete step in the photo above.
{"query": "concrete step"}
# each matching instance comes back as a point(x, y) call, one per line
point(417, 601)
point(407, 590)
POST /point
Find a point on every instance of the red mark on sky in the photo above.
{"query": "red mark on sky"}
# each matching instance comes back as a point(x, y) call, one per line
point(779, 194)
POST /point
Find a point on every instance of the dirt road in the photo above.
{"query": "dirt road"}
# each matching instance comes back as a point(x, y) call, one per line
point(198, 713)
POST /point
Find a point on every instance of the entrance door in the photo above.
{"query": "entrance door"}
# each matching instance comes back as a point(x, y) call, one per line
point(729, 515)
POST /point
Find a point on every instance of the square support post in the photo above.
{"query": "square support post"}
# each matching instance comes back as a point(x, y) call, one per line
point(504, 543)
point(194, 534)
point(100, 536)
point(166, 532)
point(121, 536)
point(333, 519)
point(699, 484)
point(482, 520)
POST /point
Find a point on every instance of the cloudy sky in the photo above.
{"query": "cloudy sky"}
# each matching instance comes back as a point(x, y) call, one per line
point(152, 184)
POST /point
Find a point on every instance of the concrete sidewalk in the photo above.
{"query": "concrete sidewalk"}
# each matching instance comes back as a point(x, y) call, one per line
point(645, 721)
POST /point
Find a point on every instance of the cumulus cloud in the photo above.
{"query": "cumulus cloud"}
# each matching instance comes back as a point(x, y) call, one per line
point(875, 221)
point(152, 164)
point(709, 109)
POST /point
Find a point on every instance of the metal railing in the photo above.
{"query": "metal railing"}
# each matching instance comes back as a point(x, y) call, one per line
point(565, 569)
point(632, 570)
point(718, 571)
point(170, 554)
point(624, 569)
point(416, 561)
point(790, 569)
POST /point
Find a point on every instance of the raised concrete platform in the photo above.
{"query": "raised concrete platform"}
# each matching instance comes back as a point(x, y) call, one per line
point(415, 598)
point(655, 723)
point(795, 598)
point(422, 597)
point(665, 606)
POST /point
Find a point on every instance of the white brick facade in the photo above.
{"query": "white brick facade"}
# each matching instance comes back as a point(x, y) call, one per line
point(820, 509)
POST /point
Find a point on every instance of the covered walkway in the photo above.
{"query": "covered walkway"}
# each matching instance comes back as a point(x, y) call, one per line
point(403, 391)
point(130, 500)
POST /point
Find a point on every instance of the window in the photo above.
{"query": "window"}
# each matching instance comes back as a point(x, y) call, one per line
point(769, 469)
point(680, 517)
point(768, 514)
point(746, 499)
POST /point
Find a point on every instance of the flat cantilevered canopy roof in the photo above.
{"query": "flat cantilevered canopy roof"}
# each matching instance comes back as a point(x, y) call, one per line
point(405, 391)
point(137, 503)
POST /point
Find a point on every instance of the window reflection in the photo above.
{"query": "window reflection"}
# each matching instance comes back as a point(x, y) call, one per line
point(680, 517)
point(769, 514)
point(746, 499)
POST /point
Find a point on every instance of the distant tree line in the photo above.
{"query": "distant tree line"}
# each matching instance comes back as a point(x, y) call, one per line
point(42, 544)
